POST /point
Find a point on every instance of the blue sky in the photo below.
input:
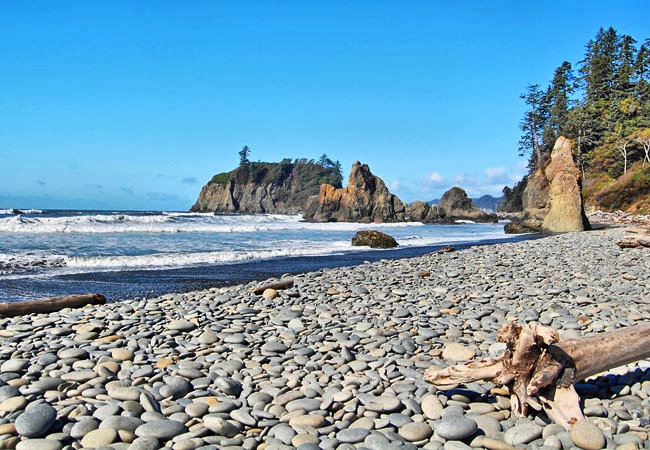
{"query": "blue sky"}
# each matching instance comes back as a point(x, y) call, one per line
point(135, 105)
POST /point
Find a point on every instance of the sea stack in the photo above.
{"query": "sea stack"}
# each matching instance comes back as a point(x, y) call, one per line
point(365, 199)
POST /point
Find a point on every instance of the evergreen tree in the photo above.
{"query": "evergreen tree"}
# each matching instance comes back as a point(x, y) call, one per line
point(244, 153)
point(557, 100)
point(533, 124)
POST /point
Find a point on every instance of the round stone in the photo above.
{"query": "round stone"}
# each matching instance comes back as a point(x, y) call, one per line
point(99, 438)
point(181, 325)
point(14, 365)
point(39, 444)
point(453, 351)
point(161, 429)
point(220, 426)
point(456, 427)
point(8, 392)
point(415, 431)
point(83, 427)
point(208, 337)
point(36, 420)
point(124, 393)
point(586, 435)
point(309, 420)
point(352, 435)
point(432, 407)
point(122, 354)
point(522, 433)
point(145, 443)
point(13, 404)
point(270, 294)
point(122, 423)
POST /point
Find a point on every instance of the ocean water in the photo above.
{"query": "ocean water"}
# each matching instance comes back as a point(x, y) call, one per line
point(123, 253)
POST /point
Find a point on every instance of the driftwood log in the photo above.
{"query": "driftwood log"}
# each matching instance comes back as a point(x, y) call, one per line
point(50, 304)
point(285, 284)
point(541, 370)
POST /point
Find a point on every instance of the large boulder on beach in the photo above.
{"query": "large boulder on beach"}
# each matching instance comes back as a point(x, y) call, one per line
point(552, 200)
point(566, 211)
point(365, 199)
point(458, 206)
point(373, 239)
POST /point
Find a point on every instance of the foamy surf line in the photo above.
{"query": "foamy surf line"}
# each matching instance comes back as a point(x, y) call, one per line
point(55, 264)
point(176, 223)
point(120, 284)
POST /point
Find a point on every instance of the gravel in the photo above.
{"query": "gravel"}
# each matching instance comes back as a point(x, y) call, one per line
point(335, 362)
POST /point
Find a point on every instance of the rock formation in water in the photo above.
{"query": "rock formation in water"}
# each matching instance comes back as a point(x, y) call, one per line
point(365, 199)
point(552, 200)
point(419, 211)
point(260, 187)
point(458, 206)
point(373, 239)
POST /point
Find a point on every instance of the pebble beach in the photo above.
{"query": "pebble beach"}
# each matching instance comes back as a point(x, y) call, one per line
point(335, 362)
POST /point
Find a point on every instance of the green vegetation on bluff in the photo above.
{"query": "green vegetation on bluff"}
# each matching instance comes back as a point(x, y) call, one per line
point(301, 172)
point(604, 108)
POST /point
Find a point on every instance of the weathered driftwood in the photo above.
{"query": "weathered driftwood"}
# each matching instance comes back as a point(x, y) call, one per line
point(284, 284)
point(540, 370)
point(446, 249)
point(50, 304)
point(634, 243)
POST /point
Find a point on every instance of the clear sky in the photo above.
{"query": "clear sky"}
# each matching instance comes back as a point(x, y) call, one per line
point(136, 104)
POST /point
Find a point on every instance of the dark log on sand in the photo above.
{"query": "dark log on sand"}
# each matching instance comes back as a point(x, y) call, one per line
point(540, 370)
point(285, 284)
point(446, 249)
point(50, 304)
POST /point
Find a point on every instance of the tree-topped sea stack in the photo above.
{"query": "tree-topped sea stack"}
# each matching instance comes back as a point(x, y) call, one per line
point(263, 187)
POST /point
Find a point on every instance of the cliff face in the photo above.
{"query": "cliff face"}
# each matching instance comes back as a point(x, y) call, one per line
point(365, 199)
point(258, 188)
point(552, 200)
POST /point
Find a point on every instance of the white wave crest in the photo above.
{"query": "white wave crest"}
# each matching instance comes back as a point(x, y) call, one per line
point(173, 223)
point(20, 211)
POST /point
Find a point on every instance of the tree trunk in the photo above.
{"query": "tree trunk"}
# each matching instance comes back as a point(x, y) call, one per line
point(540, 371)
point(50, 304)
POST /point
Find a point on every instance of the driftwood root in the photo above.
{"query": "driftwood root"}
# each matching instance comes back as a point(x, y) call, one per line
point(540, 369)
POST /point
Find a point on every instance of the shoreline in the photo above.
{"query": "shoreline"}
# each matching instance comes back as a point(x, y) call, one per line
point(120, 285)
point(335, 361)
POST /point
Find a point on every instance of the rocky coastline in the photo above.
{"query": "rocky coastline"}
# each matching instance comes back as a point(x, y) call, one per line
point(336, 361)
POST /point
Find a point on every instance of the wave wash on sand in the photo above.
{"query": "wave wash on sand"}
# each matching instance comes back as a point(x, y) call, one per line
point(336, 361)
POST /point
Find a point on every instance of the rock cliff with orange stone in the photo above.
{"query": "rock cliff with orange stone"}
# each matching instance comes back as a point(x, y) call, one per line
point(365, 199)
point(552, 200)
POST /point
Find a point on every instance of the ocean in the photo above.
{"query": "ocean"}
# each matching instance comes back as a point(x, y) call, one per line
point(46, 253)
